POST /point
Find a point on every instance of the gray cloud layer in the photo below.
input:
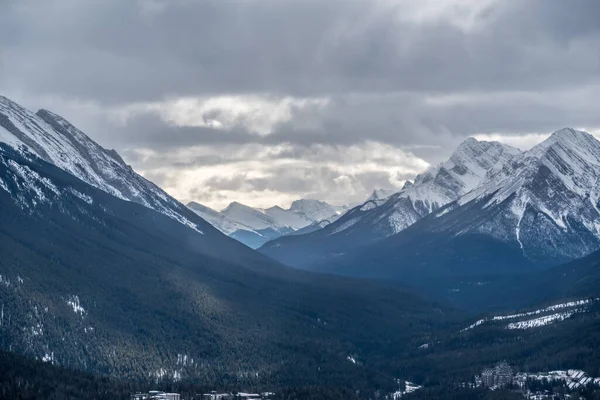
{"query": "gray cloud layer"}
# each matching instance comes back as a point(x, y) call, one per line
point(317, 77)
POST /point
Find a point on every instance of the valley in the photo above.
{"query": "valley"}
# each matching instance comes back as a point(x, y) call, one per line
point(299, 200)
point(92, 282)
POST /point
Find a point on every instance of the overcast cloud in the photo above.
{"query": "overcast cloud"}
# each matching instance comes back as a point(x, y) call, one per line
point(266, 101)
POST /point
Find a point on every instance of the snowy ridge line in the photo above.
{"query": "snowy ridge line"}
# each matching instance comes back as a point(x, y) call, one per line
point(542, 321)
point(237, 216)
point(53, 139)
point(537, 321)
point(544, 310)
point(532, 200)
point(572, 160)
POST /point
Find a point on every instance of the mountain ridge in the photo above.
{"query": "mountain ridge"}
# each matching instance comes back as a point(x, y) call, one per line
point(110, 286)
point(57, 141)
point(538, 210)
point(377, 219)
point(256, 226)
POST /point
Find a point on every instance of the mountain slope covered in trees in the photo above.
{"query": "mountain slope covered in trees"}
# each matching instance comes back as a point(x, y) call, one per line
point(115, 288)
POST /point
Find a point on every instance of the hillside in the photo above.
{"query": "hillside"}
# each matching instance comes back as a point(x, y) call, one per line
point(536, 210)
point(93, 282)
point(380, 216)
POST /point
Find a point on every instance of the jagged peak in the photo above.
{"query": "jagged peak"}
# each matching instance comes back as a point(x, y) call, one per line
point(52, 118)
point(8, 106)
point(303, 205)
point(379, 194)
point(299, 202)
point(579, 142)
point(407, 184)
point(469, 142)
point(472, 147)
point(235, 204)
point(10, 103)
point(566, 136)
point(66, 128)
point(198, 206)
point(569, 133)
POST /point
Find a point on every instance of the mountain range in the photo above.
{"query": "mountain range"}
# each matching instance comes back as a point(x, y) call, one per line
point(104, 273)
point(490, 209)
point(256, 226)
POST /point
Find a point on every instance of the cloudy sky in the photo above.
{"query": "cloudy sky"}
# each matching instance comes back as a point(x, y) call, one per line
point(266, 101)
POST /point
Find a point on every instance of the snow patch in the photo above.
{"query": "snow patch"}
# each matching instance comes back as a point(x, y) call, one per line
point(73, 301)
point(575, 306)
point(82, 196)
point(409, 387)
point(541, 321)
point(369, 205)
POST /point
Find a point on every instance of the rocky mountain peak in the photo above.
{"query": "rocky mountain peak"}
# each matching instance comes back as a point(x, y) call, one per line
point(56, 141)
point(302, 204)
point(571, 145)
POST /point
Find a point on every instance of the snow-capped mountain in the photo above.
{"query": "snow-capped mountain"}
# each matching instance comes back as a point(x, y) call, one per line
point(256, 226)
point(537, 209)
point(248, 216)
point(380, 194)
point(546, 200)
point(379, 218)
point(82, 270)
point(316, 210)
point(216, 219)
point(55, 140)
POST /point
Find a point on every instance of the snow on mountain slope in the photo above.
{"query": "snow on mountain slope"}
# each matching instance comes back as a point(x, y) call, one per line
point(463, 172)
point(380, 218)
point(380, 194)
point(543, 316)
point(538, 210)
point(55, 140)
point(217, 219)
point(316, 210)
point(440, 185)
point(256, 226)
point(248, 216)
point(547, 199)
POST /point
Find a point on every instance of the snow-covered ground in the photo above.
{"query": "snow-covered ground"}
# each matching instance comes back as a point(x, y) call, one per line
point(573, 378)
point(567, 310)
point(54, 140)
point(409, 387)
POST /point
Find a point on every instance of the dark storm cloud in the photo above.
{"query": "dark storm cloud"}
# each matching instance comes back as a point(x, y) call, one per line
point(149, 130)
point(283, 181)
point(413, 75)
point(406, 121)
point(117, 51)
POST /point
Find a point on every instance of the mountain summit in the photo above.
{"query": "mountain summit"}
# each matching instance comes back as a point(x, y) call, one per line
point(376, 219)
point(256, 226)
point(533, 210)
point(94, 275)
point(57, 141)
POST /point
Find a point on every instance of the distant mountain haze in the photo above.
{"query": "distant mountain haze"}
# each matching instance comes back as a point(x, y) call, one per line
point(256, 226)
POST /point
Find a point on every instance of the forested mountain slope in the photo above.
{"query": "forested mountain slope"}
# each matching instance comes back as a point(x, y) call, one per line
point(93, 282)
